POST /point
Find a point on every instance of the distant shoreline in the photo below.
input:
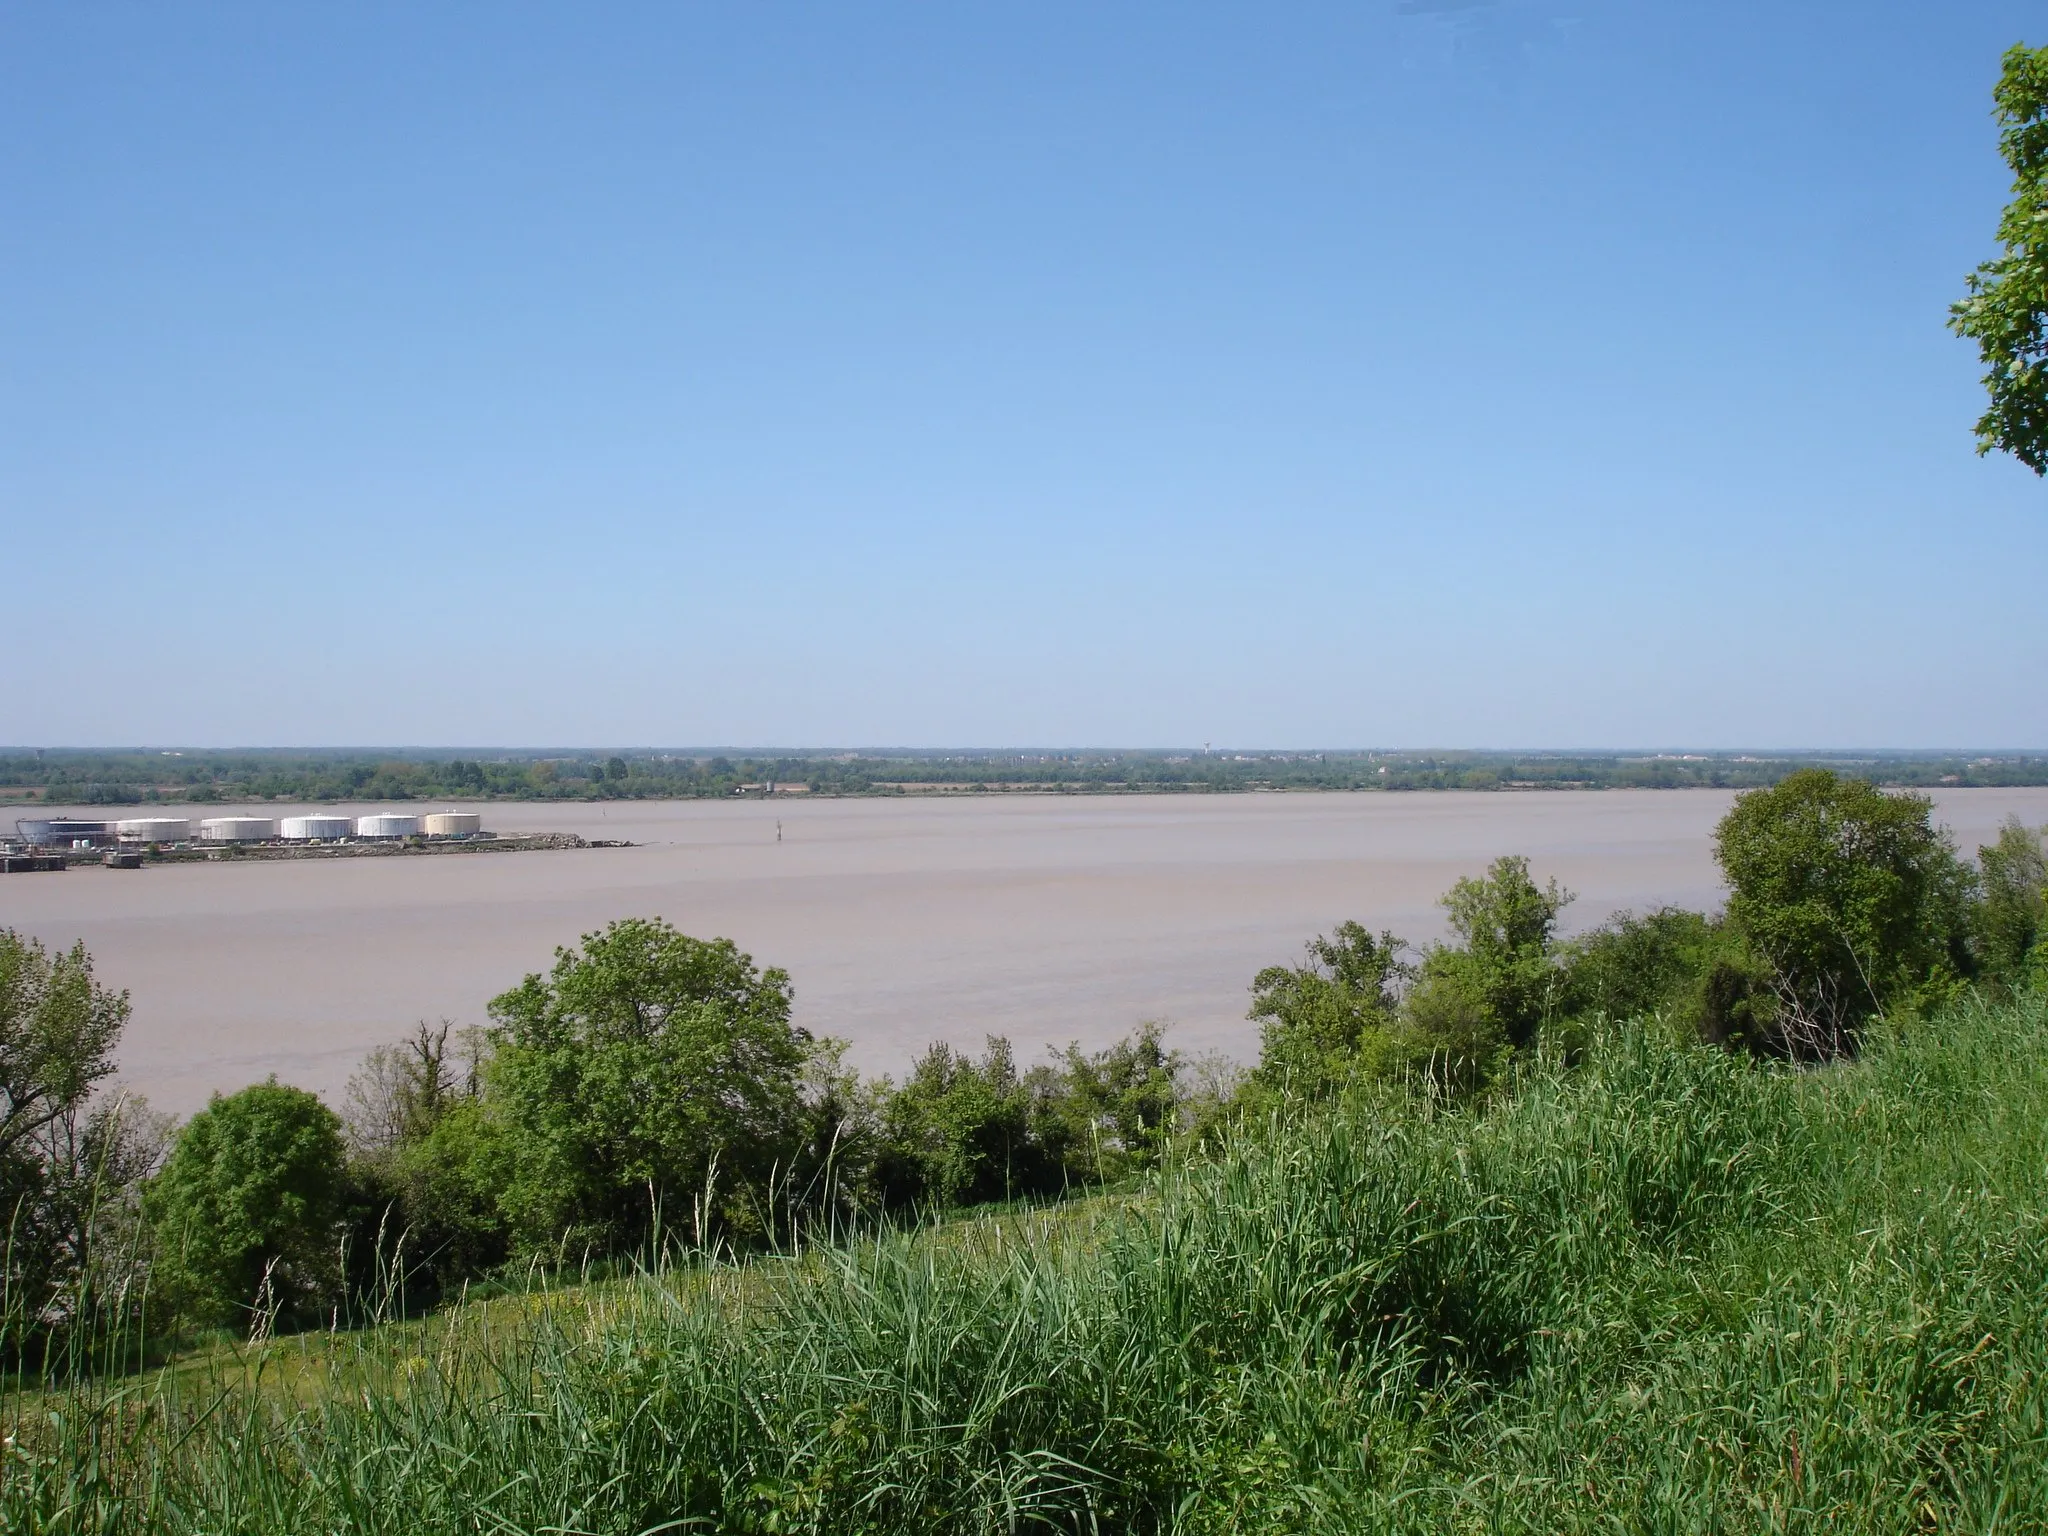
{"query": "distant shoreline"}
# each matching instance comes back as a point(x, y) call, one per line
point(32, 778)
point(940, 792)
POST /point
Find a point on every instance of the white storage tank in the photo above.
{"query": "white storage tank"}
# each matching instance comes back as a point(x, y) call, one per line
point(237, 829)
point(387, 824)
point(314, 829)
point(452, 824)
point(154, 829)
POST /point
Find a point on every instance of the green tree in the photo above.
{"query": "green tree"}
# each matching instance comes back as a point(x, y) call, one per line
point(2012, 919)
point(2006, 309)
point(1448, 1035)
point(58, 1029)
point(439, 1216)
point(423, 1169)
point(1849, 900)
point(247, 1211)
point(1505, 923)
point(1317, 1020)
point(63, 1160)
point(1632, 966)
point(961, 1131)
point(648, 1067)
point(1122, 1104)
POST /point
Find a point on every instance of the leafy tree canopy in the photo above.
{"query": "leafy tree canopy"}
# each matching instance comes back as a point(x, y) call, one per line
point(1317, 1018)
point(648, 1061)
point(247, 1210)
point(1849, 897)
point(961, 1130)
point(1506, 923)
point(2012, 921)
point(58, 1028)
point(2006, 310)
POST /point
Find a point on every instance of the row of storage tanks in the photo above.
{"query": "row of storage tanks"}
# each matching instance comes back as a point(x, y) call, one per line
point(251, 829)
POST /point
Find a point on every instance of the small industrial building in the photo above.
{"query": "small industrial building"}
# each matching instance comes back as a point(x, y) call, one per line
point(65, 832)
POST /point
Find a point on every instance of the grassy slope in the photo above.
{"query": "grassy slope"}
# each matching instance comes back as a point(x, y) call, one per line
point(1667, 1291)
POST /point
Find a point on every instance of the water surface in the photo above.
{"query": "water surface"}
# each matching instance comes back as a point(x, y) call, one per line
point(1046, 918)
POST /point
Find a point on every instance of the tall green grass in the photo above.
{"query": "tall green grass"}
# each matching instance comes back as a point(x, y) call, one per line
point(1666, 1290)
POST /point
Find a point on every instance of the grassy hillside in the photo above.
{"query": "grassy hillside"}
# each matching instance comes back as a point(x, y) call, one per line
point(1665, 1290)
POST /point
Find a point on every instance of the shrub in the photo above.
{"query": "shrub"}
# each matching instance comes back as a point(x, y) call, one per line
point(1121, 1105)
point(1505, 923)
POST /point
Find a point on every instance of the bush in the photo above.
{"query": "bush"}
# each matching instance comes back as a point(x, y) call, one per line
point(424, 1161)
point(1121, 1106)
point(1660, 963)
point(1505, 924)
point(1358, 1012)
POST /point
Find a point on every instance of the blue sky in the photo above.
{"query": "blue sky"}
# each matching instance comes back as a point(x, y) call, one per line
point(1398, 372)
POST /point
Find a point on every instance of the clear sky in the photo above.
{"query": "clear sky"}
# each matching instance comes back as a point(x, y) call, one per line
point(1384, 373)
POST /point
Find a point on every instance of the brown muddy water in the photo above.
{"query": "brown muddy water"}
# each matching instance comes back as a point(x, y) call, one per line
point(1047, 918)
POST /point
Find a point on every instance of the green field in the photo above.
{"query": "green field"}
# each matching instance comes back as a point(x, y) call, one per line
point(1666, 1289)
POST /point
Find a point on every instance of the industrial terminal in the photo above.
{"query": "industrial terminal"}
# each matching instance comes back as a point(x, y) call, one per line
point(177, 831)
point(56, 842)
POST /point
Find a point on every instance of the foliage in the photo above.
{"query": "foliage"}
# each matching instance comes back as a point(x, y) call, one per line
point(960, 1131)
point(1506, 924)
point(1850, 901)
point(247, 1211)
point(647, 1065)
point(1666, 1290)
point(61, 1157)
point(2012, 920)
point(1358, 1012)
point(1122, 1106)
point(2006, 310)
point(58, 1028)
point(425, 1209)
point(1449, 1035)
point(1634, 966)
point(1320, 1022)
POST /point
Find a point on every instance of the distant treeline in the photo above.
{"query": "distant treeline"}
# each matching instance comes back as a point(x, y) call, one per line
point(139, 777)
